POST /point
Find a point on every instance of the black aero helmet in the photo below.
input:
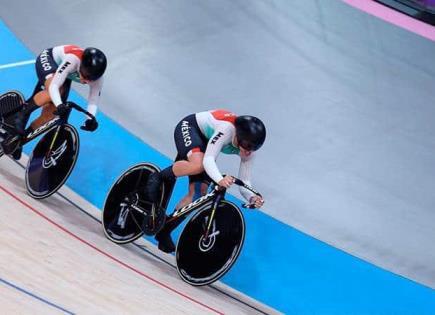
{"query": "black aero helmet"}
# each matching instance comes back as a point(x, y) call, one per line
point(93, 64)
point(250, 132)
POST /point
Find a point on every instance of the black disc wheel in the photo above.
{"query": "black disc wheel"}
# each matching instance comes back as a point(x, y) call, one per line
point(10, 103)
point(52, 161)
point(203, 259)
point(127, 214)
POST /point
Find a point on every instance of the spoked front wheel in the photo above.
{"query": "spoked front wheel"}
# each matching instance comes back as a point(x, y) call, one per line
point(203, 259)
point(127, 214)
point(52, 161)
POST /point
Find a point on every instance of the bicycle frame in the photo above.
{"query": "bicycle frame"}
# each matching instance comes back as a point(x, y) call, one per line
point(42, 129)
point(196, 204)
point(51, 124)
point(56, 122)
point(214, 197)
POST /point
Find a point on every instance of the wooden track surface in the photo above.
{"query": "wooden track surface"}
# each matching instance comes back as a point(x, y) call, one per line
point(55, 259)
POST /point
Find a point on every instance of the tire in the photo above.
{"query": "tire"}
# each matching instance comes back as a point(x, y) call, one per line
point(45, 176)
point(201, 262)
point(10, 103)
point(121, 223)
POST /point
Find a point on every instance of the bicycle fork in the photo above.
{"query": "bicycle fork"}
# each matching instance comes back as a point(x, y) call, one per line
point(213, 211)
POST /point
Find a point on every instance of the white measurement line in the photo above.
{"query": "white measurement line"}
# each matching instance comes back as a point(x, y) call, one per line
point(17, 64)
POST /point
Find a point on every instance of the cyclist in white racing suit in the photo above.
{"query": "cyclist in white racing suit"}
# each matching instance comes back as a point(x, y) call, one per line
point(56, 68)
point(199, 139)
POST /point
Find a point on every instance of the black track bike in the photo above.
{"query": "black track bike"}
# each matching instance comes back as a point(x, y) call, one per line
point(211, 240)
point(54, 156)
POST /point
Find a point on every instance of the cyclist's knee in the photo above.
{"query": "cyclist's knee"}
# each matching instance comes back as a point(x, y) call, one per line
point(196, 166)
point(42, 98)
point(48, 109)
point(195, 161)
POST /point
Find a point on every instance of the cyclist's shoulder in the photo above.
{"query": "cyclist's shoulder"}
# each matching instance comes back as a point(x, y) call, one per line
point(70, 49)
point(223, 115)
point(216, 117)
point(68, 52)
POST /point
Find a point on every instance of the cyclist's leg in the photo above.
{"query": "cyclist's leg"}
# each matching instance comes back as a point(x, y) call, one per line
point(12, 144)
point(43, 100)
point(190, 147)
point(196, 190)
point(45, 68)
point(198, 185)
point(192, 166)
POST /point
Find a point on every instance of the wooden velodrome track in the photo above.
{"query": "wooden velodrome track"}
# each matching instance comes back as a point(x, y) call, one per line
point(55, 259)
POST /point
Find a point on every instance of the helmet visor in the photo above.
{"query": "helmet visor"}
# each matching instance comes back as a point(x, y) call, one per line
point(88, 75)
point(248, 146)
point(85, 75)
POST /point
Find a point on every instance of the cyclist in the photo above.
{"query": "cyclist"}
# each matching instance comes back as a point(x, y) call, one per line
point(199, 139)
point(56, 68)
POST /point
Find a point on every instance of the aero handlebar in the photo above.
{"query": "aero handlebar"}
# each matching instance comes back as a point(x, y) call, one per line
point(80, 109)
point(246, 186)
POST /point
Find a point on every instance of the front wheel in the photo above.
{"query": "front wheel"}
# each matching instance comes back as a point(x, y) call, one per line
point(52, 161)
point(202, 260)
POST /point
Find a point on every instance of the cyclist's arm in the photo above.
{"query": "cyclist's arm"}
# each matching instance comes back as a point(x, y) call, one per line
point(221, 137)
point(69, 65)
point(94, 95)
point(245, 175)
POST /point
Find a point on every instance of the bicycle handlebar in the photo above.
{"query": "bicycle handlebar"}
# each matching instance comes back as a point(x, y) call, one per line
point(241, 183)
point(80, 109)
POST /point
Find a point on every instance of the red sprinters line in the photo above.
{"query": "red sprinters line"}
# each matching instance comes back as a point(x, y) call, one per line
point(107, 254)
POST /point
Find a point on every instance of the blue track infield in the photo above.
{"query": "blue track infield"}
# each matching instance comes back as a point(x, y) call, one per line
point(279, 265)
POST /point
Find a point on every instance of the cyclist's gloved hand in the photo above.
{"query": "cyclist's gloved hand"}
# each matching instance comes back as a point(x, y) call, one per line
point(256, 201)
point(90, 124)
point(226, 182)
point(61, 110)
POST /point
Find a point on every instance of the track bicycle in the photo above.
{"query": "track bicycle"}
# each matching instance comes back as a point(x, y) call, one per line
point(54, 156)
point(209, 243)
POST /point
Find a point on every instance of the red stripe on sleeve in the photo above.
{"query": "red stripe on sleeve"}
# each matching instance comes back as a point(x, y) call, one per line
point(222, 114)
point(75, 50)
